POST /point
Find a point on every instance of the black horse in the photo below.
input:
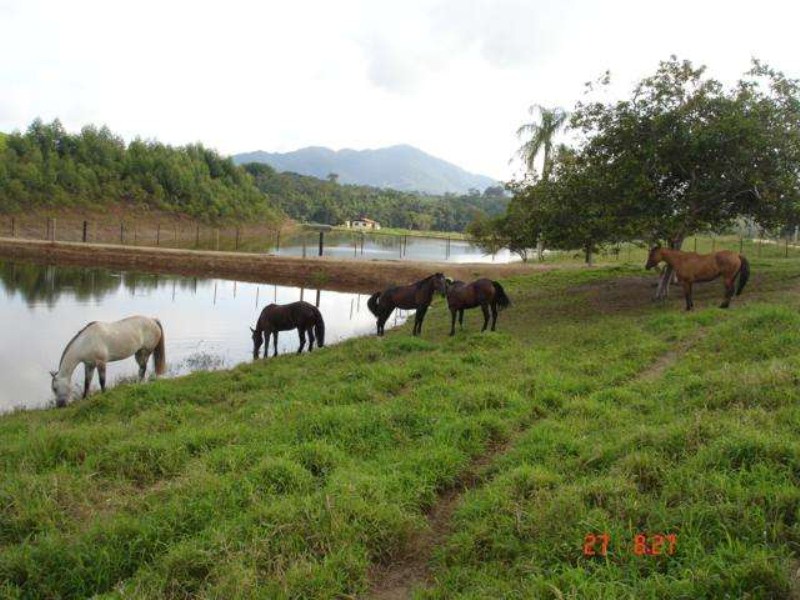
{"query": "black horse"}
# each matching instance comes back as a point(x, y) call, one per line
point(482, 292)
point(302, 316)
point(415, 296)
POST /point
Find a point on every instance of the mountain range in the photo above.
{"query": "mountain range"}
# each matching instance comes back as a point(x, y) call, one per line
point(402, 167)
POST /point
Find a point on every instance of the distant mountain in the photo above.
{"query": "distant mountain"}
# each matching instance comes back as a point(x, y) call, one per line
point(403, 168)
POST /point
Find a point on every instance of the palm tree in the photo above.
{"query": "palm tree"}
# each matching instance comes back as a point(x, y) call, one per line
point(541, 132)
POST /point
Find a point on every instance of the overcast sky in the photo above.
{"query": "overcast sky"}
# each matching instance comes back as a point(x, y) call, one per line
point(452, 77)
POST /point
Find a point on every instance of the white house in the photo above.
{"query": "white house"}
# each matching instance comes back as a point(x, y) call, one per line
point(364, 223)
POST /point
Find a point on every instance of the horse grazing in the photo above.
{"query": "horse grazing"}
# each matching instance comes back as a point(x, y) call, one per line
point(301, 315)
point(483, 292)
point(414, 296)
point(692, 268)
point(100, 343)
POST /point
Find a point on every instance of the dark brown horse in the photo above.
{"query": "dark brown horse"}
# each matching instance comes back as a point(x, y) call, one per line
point(415, 296)
point(302, 316)
point(483, 292)
point(692, 268)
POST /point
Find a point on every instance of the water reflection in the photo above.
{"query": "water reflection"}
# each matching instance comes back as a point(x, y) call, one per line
point(206, 321)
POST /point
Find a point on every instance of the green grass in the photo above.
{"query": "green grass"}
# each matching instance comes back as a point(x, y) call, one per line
point(628, 253)
point(291, 477)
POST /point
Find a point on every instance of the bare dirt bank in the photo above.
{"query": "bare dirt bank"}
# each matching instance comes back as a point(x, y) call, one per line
point(327, 273)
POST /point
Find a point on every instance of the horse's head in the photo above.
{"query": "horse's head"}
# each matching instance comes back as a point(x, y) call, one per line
point(61, 388)
point(654, 257)
point(440, 283)
point(258, 339)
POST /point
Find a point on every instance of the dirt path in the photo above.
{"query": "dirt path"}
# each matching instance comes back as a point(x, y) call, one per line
point(397, 580)
point(327, 273)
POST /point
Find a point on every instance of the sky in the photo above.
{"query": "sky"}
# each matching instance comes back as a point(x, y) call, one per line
point(452, 77)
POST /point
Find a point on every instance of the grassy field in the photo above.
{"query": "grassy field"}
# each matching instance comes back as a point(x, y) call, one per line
point(591, 410)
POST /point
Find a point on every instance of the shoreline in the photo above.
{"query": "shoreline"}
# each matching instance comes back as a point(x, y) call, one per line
point(335, 274)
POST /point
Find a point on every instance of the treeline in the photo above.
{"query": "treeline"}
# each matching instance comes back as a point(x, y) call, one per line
point(48, 167)
point(306, 198)
point(684, 155)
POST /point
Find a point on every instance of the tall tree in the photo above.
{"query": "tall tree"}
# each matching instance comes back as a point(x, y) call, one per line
point(539, 135)
point(684, 154)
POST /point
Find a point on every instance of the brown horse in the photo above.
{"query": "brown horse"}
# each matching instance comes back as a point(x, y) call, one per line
point(302, 316)
point(691, 268)
point(415, 296)
point(483, 292)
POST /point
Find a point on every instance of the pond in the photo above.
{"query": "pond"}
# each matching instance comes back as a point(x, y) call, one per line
point(368, 246)
point(206, 321)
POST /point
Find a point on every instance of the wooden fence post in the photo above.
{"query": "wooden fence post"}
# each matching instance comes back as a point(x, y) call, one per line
point(321, 240)
point(216, 239)
point(13, 227)
point(197, 236)
point(278, 241)
point(122, 232)
point(85, 228)
point(158, 234)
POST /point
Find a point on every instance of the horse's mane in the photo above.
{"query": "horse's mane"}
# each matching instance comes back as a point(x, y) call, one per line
point(74, 337)
point(421, 282)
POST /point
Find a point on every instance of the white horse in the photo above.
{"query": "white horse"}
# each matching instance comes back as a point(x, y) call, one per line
point(100, 343)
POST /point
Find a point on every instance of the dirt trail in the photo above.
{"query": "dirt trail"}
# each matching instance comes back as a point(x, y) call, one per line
point(397, 580)
point(327, 273)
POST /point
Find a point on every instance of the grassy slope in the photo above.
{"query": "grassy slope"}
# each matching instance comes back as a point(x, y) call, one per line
point(289, 477)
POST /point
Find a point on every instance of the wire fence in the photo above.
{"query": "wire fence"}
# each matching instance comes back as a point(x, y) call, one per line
point(348, 243)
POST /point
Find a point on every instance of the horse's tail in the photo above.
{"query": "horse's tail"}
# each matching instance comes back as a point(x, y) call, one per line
point(744, 274)
point(372, 304)
point(319, 330)
point(503, 301)
point(159, 355)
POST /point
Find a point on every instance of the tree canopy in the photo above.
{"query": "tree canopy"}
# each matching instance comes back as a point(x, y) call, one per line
point(48, 167)
point(683, 155)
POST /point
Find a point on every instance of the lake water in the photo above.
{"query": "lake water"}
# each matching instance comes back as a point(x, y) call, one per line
point(206, 321)
point(390, 247)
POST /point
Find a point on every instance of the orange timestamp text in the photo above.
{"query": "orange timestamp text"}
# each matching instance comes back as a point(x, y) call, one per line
point(644, 544)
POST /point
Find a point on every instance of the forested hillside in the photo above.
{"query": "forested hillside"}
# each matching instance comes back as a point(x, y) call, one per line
point(310, 199)
point(48, 167)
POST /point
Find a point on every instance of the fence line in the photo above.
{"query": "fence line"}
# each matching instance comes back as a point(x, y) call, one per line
point(255, 238)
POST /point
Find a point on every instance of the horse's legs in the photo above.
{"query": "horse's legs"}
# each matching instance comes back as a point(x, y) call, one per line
point(87, 379)
point(418, 321)
point(141, 358)
point(453, 313)
point(101, 374)
point(494, 314)
point(301, 332)
point(382, 323)
point(311, 337)
point(485, 309)
point(461, 319)
point(729, 291)
point(687, 293)
point(274, 342)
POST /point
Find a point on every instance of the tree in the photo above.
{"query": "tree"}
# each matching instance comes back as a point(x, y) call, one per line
point(540, 134)
point(685, 155)
point(573, 209)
